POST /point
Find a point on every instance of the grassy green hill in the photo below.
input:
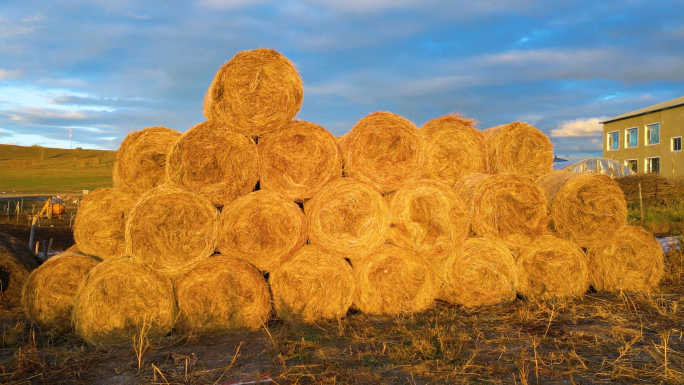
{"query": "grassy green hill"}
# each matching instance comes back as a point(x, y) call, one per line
point(38, 170)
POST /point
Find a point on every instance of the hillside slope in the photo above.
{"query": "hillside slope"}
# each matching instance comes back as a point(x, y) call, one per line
point(42, 170)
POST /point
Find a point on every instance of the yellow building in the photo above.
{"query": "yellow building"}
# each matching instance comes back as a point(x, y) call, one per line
point(649, 139)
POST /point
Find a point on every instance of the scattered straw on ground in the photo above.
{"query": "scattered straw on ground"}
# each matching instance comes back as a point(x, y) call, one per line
point(454, 148)
point(585, 208)
point(262, 227)
point(518, 148)
point(298, 160)
point(212, 160)
point(256, 92)
point(100, 223)
point(383, 150)
point(222, 293)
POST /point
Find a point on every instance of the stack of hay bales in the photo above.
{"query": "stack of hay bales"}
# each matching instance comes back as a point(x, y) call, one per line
point(252, 212)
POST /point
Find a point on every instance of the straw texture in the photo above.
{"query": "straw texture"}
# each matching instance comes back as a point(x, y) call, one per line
point(518, 148)
point(454, 148)
point(313, 285)
point(212, 160)
point(256, 92)
point(383, 150)
point(118, 299)
point(552, 268)
point(222, 293)
point(428, 218)
point(298, 160)
point(481, 272)
point(263, 228)
point(170, 229)
point(48, 297)
point(100, 225)
point(16, 262)
point(585, 208)
point(141, 159)
point(392, 281)
point(348, 218)
point(631, 260)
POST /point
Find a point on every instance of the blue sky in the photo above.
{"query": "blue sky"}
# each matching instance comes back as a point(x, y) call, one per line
point(104, 68)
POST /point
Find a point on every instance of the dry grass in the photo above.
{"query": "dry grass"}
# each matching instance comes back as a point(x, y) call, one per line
point(518, 148)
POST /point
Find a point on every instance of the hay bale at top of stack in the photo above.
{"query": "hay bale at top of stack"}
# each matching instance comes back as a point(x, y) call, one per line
point(141, 160)
point(507, 206)
point(170, 229)
point(222, 293)
point(454, 148)
point(298, 160)
point(480, 272)
point(383, 150)
point(347, 217)
point(262, 227)
point(48, 297)
point(119, 299)
point(585, 208)
point(552, 267)
point(99, 228)
point(313, 285)
point(428, 217)
point(392, 280)
point(630, 260)
point(518, 148)
point(16, 263)
point(655, 188)
point(256, 92)
point(213, 160)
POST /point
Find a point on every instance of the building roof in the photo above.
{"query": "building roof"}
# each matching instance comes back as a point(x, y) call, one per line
point(656, 107)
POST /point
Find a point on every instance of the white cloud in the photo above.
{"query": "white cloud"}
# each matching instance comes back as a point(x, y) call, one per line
point(579, 128)
point(36, 17)
point(34, 114)
point(19, 139)
point(9, 74)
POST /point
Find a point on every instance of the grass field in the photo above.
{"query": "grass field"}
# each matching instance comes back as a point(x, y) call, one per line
point(39, 170)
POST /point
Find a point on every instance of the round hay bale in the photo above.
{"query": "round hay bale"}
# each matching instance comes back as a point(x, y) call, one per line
point(518, 148)
point(119, 299)
point(48, 297)
point(383, 150)
point(507, 206)
point(585, 208)
point(347, 217)
point(428, 218)
point(454, 148)
point(298, 160)
point(256, 92)
point(222, 293)
point(99, 228)
point(313, 285)
point(392, 281)
point(170, 229)
point(141, 160)
point(263, 228)
point(212, 160)
point(481, 272)
point(552, 267)
point(630, 260)
point(16, 263)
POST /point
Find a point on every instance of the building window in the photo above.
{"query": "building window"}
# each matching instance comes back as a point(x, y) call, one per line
point(633, 164)
point(632, 137)
point(613, 140)
point(653, 133)
point(676, 144)
point(653, 165)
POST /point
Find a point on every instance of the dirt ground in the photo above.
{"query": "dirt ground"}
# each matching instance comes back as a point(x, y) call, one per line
point(600, 338)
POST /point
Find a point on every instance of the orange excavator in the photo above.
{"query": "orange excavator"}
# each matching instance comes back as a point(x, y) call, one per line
point(51, 210)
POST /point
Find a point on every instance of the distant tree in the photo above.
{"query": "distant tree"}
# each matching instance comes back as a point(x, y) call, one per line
point(77, 152)
point(40, 151)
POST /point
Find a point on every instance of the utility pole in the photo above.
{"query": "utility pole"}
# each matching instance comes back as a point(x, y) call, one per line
point(70, 136)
